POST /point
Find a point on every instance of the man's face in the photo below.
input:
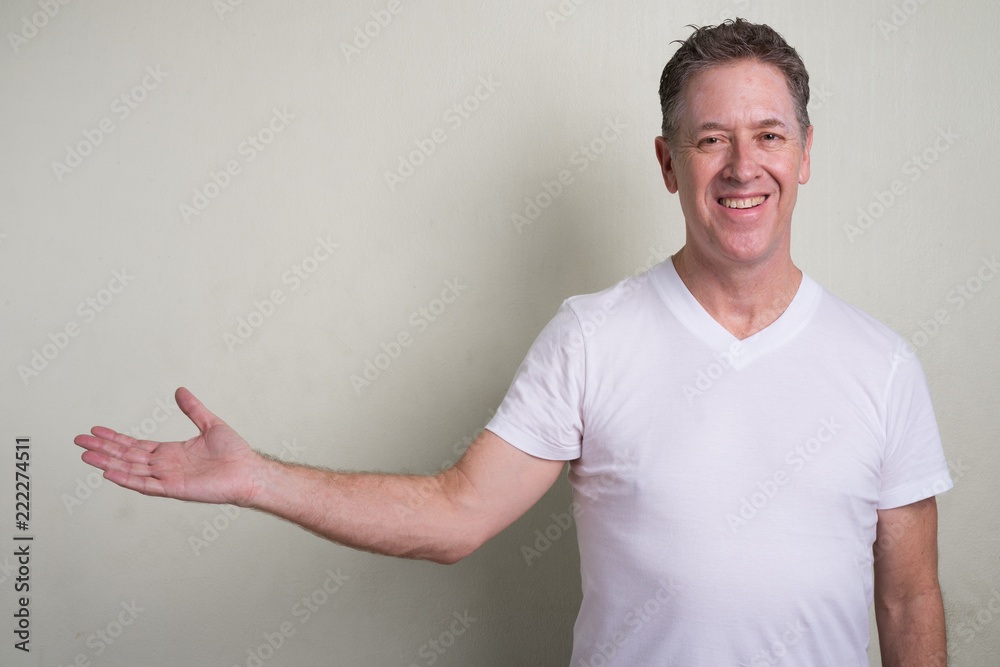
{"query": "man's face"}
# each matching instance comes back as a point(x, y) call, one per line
point(737, 161)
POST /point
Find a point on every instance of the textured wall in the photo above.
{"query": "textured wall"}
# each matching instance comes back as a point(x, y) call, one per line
point(257, 199)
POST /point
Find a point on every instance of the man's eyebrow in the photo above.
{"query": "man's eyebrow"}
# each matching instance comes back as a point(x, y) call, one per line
point(713, 125)
point(771, 122)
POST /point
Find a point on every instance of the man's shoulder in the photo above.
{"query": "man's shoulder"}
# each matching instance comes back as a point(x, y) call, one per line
point(848, 323)
point(631, 293)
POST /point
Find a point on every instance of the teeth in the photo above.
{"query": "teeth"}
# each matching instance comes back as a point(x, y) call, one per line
point(749, 202)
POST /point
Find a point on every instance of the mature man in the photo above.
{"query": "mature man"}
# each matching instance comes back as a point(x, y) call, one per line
point(739, 439)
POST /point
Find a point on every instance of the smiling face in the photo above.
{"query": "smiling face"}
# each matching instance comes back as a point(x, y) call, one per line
point(737, 161)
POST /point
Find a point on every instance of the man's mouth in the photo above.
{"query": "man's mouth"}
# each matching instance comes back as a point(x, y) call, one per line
point(747, 202)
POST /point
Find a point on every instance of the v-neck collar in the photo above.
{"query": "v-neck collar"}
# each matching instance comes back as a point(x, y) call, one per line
point(699, 322)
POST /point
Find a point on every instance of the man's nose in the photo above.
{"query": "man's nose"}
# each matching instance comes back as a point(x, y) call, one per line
point(742, 165)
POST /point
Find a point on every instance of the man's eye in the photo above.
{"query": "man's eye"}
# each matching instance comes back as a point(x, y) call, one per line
point(710, 140)
point(770, 136)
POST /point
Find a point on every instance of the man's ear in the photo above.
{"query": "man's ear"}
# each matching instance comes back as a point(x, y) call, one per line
point(666, 164)
point(804, 166)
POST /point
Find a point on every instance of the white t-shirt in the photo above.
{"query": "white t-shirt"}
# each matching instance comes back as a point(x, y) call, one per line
point(725, 491)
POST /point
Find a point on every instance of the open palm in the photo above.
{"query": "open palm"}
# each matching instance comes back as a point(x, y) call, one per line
point(216, 466)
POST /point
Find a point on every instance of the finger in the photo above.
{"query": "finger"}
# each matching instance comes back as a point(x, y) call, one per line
point(122, 439)
point(195, 411)
point(112, 449)
point(149, 486)
point(113, 435)
point(106, 463)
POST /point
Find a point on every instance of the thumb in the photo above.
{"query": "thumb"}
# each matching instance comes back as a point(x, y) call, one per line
point(196, 412)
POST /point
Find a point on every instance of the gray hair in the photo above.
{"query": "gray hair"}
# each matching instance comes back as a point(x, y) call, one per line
point(729, 42)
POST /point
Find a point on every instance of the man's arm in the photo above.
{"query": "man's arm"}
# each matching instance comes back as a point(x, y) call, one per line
point(908, 608)
point(441, 518)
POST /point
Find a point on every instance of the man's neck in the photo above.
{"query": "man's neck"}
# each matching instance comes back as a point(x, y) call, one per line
point(743, 300)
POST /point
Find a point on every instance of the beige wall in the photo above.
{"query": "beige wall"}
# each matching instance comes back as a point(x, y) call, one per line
point(893, 82)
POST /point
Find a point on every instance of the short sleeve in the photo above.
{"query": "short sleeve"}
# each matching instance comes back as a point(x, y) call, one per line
point(913, 466)
point(542, 411)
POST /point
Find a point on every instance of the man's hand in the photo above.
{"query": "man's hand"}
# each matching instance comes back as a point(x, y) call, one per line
point(216, 466)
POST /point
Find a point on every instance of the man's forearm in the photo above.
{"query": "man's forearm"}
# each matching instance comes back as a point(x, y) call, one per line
point(912, 631)
point(395, 515)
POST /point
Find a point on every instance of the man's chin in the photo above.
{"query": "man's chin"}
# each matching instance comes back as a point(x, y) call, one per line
point(747, 253)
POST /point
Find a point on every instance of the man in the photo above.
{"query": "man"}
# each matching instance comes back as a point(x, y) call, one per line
point(738, 438)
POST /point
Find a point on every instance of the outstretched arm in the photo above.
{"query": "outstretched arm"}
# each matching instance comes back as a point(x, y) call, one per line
point(441, 518)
